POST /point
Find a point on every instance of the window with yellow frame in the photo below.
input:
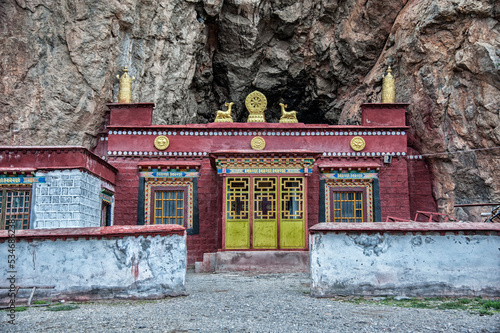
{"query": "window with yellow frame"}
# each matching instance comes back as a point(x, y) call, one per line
point(169, 201)
point(349, 201)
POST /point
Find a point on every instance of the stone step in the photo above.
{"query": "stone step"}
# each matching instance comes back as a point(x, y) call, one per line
point(254, 261)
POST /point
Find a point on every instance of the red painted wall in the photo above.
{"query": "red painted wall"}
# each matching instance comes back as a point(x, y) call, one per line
point(420, 186)
point(383, 114)
point(312, 198)
point(393, 185)
point(134, 114)
point(210, 214)
point(209, 204)
point(127, 190)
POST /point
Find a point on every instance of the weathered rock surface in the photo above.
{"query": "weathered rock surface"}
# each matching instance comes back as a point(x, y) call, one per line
point(59, 61)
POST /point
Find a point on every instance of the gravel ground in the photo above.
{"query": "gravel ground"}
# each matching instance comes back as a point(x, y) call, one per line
point(233, 302)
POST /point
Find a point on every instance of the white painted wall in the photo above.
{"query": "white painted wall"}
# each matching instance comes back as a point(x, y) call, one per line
point(141, 267)
point(397, 264)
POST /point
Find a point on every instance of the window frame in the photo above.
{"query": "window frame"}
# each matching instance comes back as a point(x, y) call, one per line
point(152, 207)
point(361, 190)
point(3, 207)
point(372, 196)
point(106, 207)
point(143, 200)
point(105, 214)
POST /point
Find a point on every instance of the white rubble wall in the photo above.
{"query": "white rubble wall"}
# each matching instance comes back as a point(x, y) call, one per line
point(128, 266)
point(410, 264)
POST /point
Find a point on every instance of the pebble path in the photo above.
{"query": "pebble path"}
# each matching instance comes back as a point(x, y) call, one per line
point(237, 302)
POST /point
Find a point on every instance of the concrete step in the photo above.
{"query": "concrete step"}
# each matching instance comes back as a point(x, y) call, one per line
point(254, 261)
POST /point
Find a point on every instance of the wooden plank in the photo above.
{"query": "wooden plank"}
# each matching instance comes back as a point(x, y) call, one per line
point(30, 287)
point(31, 296)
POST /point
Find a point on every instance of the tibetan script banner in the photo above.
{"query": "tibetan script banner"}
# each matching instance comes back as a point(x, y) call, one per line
point(21, 180)
point(263, 170)
point(106, 198)
point(349, 175)
point(169, 174)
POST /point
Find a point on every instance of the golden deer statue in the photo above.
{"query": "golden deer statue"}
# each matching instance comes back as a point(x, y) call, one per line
point(287, 116)
point(224, 116)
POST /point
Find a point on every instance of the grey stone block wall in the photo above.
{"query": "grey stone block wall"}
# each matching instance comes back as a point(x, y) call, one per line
point(68, 198)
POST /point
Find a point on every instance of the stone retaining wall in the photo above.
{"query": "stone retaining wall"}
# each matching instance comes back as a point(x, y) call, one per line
point(96, 263)
point(411, 259)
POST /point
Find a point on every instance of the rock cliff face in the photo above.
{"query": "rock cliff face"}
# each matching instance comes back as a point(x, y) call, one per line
point(324, 58)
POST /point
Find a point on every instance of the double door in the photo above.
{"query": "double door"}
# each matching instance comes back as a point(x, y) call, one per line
point(264, 212)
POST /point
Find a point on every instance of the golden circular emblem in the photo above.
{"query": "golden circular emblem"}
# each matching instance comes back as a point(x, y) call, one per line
point(161, 142)
point(256, 102)
point(258, 143)
point(357, 143)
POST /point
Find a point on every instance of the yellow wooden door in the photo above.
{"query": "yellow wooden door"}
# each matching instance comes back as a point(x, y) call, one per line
point(265, 217)
point(237, 214)
point(258, 208)
point(292, 222)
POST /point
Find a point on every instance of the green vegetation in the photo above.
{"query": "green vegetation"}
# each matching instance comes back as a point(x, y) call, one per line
point(494, 304)
point(419, 305)
point(40, 302)
point(452, 306)
point(20, 308)
point(475, 305)
point(67, 307)
point(17, 308)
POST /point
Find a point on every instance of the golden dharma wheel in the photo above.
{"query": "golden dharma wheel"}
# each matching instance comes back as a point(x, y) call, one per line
point(256, 104)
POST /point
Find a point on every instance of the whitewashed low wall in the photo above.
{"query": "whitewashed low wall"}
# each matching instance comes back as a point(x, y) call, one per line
point(412, 259)
point(98, 263)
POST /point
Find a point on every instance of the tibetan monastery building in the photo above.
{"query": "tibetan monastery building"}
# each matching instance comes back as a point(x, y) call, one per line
point(233, 186)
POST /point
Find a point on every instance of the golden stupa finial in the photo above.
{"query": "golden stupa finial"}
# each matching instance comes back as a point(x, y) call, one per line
point(125, 89)
point(388, 87)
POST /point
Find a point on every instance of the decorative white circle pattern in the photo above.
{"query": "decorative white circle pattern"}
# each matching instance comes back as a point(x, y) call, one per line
point(246, 133)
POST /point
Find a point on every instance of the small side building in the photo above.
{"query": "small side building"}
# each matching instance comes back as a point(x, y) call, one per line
point(55, 187)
